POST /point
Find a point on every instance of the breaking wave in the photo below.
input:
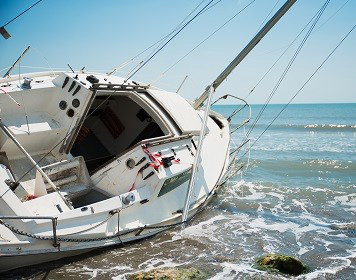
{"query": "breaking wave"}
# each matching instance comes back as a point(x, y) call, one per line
point(308, 127)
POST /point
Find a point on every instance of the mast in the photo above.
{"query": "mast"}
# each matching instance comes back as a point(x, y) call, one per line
point(209, 91)
point(7, 74)
point(266, 28)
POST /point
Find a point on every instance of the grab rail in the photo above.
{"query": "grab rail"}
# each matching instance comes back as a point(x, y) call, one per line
point(54, 223)
point(236, 149)
point(236, 110)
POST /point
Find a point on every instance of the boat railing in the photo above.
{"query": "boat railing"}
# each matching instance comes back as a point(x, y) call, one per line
point(239, 108)
point(53, 219)
point(243, 105)
point(232, 165)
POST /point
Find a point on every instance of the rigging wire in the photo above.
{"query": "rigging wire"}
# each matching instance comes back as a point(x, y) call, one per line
point(300, 89)
point(287, 67)
point(65, 137)
point(292, 43)
point(279, 58)
point(270, 12)
point(205, 8)
point(329, 18)
point(120, 66)
point(165, 44)
point(161, 41)
point(212, 34)
point(315, 30)
point(22, 13)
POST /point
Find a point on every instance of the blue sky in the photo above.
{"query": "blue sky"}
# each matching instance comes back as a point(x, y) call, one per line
point(102, 34)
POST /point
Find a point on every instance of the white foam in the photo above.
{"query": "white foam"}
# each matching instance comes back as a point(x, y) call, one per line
point(300, 204)
point(305, 249)
point(204, 229)
point(343, 263)
point(231, 271)
point(279, 196)
point(348, 200)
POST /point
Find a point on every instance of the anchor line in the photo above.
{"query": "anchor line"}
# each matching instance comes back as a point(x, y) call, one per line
point(300, 89)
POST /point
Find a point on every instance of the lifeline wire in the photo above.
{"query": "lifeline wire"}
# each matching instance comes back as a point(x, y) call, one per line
point(300, 89)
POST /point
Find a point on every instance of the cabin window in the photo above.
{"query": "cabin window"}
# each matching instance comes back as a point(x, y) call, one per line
point(112, 128)
point(174, 182)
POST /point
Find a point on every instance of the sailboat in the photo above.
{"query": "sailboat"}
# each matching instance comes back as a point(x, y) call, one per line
point(94, 160)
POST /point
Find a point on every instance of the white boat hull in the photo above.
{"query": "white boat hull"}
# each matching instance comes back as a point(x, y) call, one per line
point(122, 198)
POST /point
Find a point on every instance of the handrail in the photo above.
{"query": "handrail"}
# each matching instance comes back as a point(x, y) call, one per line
point(247, 120)
point(54, 223)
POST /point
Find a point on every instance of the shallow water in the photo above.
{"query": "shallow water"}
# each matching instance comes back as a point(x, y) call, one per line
point(301, 180)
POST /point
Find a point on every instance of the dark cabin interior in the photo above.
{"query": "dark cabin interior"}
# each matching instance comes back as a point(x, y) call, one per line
point(111, 129)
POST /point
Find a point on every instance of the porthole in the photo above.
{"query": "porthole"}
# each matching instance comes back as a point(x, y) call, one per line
point(63, 105)
point(70, 113)
point(130, 163)
point(75, 103)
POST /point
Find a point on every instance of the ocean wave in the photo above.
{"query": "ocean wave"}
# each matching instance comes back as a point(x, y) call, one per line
point(307, 127)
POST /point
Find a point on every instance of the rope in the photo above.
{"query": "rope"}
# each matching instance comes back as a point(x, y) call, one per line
point(292, 43)
point(300, 89)
point(22, 13)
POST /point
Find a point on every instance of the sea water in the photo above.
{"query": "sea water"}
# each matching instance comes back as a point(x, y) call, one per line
point(300, 184)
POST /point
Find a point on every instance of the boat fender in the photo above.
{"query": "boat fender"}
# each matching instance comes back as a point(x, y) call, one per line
point(92, 79)
point(130, 197)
